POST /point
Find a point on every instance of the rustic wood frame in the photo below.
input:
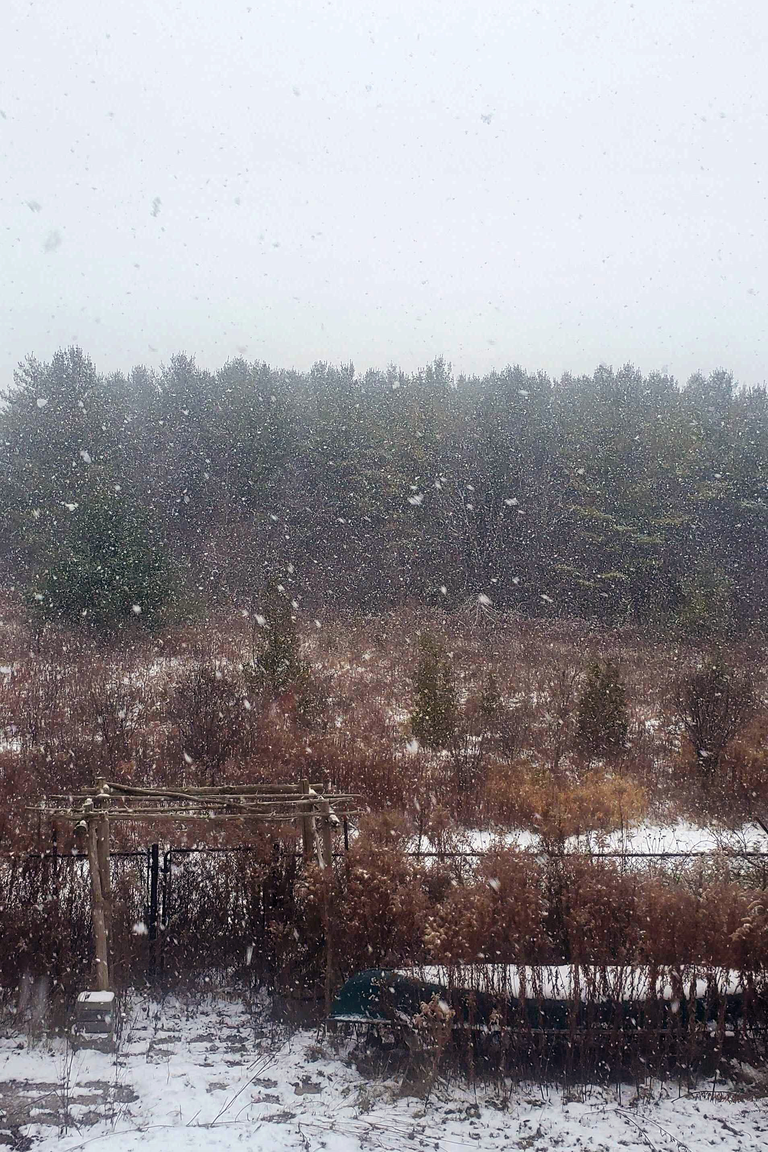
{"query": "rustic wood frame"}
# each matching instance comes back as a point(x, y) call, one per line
point(314, 808)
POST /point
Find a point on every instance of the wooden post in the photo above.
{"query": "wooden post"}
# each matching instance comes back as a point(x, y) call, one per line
point(327, 882)
point(307, 824)
point(325, 843)
point(55, 860)
point(99, 919)
point(102, 827)
point(325, 860)
point(153, 864)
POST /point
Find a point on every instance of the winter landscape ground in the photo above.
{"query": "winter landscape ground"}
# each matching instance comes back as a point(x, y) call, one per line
point(207, 1075)
point(505, 836)
point(384, 576)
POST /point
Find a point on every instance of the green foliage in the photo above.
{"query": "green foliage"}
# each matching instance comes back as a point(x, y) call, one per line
point(279, 665)
point(61, 434)
point(278, 669)
point(706, 606)
point(434, 718)
point(603, 720)
point(598, 496)
point(110, 570)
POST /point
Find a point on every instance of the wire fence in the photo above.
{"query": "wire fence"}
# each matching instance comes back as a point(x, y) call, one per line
point(190, 914)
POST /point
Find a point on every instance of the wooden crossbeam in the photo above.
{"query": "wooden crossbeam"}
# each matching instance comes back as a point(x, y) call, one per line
point(210, 801)
point(115, 806)
point(292, 811)
point(186, 814)
point(261, 802)
point(283, 790)
point(313, 806)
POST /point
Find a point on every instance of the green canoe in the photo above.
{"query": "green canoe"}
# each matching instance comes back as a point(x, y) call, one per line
point(549, 998)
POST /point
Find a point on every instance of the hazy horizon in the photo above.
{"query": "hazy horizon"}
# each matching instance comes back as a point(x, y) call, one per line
point(557, 185)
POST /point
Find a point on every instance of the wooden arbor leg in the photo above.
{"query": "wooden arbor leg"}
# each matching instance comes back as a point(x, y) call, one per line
point(307, 824)
point(325, 844)
point(325, 860)
point(102, 846)
point(99, 916)
point(101, 801)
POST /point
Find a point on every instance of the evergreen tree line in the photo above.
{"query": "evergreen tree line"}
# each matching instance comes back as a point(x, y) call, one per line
point(618, 496)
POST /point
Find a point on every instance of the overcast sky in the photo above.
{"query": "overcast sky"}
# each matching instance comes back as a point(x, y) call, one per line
point(550, 183)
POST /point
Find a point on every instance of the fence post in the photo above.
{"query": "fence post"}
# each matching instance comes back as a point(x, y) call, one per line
point(325, 860)
point(166, 909)
point(154, 881)
point(101, 802)
point(307, 824)
point(97, 905)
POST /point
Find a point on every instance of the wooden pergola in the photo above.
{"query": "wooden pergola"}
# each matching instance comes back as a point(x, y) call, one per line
point(315, 808)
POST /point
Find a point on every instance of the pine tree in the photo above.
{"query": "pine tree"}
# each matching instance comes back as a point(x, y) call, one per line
point(434, 717)
point(111, 569)
point(279, 664)
point(603, 721)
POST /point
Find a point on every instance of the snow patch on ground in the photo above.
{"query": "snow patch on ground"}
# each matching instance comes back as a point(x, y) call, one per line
point(685, 837)
point(645, 839)
point(210, 1077)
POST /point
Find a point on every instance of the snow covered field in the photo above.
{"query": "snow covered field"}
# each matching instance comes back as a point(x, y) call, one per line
point(646, 838)
point(209, 1077)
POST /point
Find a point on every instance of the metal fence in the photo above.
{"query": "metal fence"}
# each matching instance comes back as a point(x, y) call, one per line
point(183, 912)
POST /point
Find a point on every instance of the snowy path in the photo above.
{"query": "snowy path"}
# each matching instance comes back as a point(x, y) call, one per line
point(209, 1078)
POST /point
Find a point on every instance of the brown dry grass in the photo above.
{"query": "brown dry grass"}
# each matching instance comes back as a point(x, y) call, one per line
point(70, 712)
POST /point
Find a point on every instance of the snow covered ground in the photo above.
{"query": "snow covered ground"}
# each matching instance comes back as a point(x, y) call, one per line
point(209, 1077)
point(643, 839)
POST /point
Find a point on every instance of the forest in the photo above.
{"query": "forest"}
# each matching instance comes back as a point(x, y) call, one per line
point(383, 576)
point(619, 497)
point(516, 623)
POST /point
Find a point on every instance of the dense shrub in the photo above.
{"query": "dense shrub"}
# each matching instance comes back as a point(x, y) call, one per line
point(278, 663)
point(380, 920)
point(110, 570)
point(213, 722)
point(744, 764)
point(603, 721)
point(718, 922)
point(504, 723)
point(522, 796)
point(592, 911)
point(435, 712)
point(713, 703)
point(497, 916)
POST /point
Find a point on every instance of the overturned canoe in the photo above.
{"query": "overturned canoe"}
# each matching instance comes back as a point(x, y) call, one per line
point(493, 997)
